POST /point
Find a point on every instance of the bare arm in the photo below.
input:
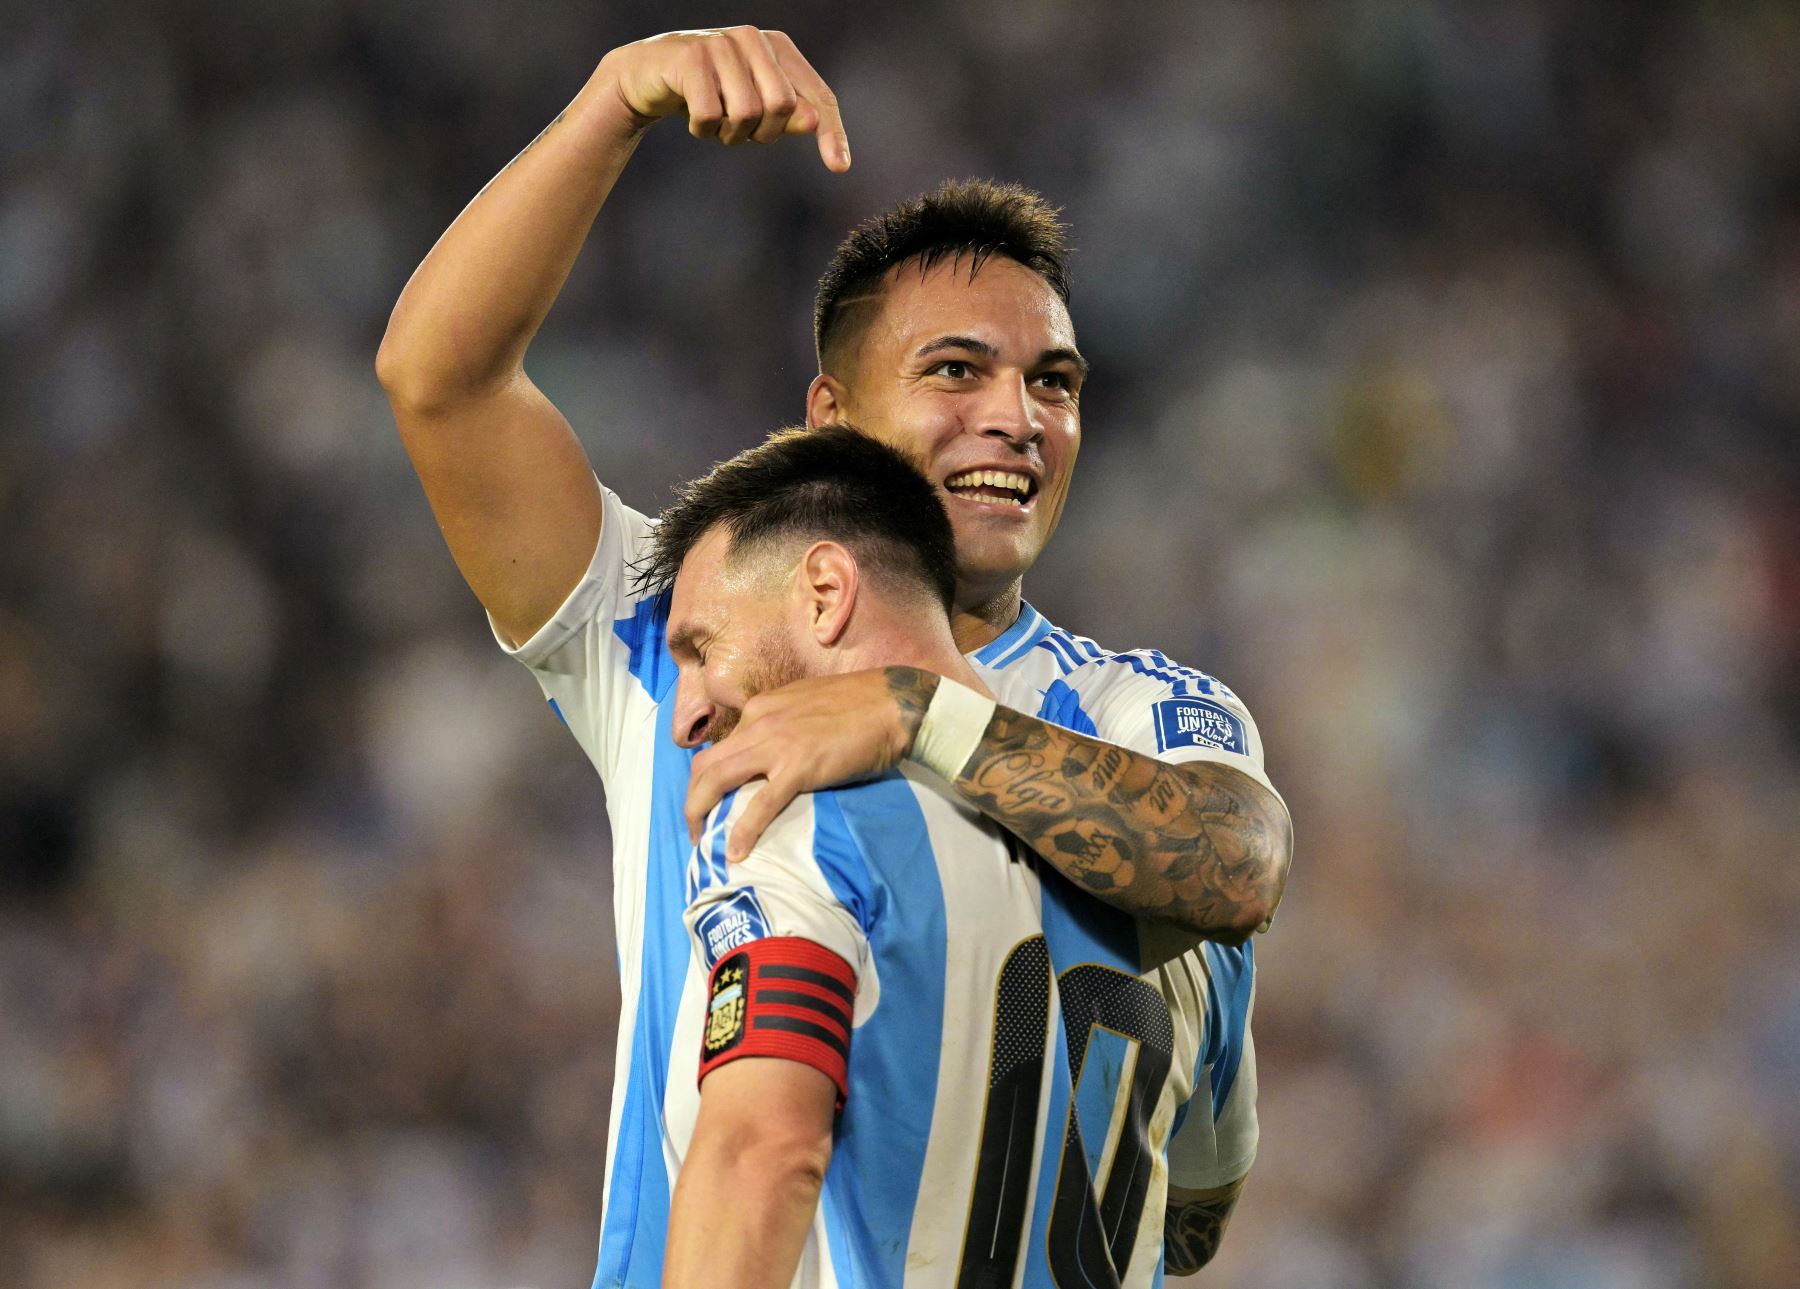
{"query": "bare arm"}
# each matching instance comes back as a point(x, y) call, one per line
point(1194, 1223)
point(750, 1183)
point(506, 477)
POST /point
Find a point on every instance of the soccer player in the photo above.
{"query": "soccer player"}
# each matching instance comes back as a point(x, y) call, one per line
point(942, 326)
point(884, 949)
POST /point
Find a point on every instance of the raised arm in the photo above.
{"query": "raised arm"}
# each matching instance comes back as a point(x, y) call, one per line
point(1198, 844)
point(505, 475)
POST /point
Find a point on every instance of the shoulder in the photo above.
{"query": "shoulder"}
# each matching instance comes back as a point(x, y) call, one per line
point(827, 838)
point(1071, 677)
point(853, 823)
point(1048, 653)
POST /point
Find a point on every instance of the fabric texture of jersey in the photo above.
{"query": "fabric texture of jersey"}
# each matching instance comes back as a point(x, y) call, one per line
point(603, 663)
point(922, 898)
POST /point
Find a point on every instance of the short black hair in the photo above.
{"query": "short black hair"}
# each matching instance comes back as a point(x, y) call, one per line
point(832, 483)
point(973, 217)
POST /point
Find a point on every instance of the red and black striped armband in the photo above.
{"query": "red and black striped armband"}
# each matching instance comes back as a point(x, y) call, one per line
point(782, 996)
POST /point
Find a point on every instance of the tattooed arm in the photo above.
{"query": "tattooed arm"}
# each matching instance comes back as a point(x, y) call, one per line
point(1200, 845)
point(1194, 1222)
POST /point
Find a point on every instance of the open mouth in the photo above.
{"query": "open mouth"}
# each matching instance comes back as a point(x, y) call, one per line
point(998, 487)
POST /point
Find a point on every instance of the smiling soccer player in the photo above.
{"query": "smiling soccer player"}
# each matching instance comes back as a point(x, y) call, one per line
point(943, 329)
point(886, 950)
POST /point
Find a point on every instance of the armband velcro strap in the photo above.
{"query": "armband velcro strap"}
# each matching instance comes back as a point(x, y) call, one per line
point(781, 996)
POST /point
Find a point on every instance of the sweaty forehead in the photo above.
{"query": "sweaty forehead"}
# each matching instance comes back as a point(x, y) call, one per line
point(716, 583)
point(1003, 303)
point(698, 584)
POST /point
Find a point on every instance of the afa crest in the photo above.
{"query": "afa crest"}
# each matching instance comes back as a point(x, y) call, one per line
point(725, 1009)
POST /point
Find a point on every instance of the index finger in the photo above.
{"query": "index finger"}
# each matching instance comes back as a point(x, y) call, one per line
point(834, 143)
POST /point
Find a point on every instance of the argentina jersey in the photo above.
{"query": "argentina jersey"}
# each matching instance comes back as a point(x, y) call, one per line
point(1157, 1026)
point(1007, 1111)
point(603, 663)
point(941, 1042)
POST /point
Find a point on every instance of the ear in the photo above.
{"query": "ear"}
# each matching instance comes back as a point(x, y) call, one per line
point(827, 402)
point(828, 581)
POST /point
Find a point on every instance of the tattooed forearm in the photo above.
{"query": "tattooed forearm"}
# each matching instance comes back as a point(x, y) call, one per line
point(1199, 843)
point(912, 689)
point(1194, 1222)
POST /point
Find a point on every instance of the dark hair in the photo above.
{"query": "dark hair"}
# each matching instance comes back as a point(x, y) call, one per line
point(973, 217)
point(832, 483)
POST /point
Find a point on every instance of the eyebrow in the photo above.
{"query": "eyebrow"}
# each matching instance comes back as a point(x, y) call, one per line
point(967, 343)
point(1050, 357)
point(981, 348)
point(681, 640)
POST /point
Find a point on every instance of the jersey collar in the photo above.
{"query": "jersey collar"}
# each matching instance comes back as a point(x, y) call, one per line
point(1027, 629)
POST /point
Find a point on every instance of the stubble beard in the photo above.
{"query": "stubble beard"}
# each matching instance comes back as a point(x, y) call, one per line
point(777, 663)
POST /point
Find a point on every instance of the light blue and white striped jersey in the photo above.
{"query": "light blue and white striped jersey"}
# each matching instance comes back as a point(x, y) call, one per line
point(1014, 1080)
point(603, 662)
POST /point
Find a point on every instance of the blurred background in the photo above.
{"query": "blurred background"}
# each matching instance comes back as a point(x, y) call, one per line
point(1447, 405)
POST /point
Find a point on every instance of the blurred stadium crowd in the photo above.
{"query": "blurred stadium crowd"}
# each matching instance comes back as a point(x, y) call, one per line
point(1447, 404)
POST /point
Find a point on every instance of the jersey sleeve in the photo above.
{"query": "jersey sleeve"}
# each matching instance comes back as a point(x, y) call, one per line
point(603, 650)
point(1215, 1146)
point(781, 954)
point(1163, 710)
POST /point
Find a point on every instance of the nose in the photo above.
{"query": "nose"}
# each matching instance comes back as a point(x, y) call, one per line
point(694, 712)
point(1008, 411)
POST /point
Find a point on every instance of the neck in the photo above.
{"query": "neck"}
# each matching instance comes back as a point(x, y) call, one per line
point(909, 639)
point(977, 622)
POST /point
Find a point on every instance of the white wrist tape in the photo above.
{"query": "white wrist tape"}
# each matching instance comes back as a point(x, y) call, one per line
point(952, 728)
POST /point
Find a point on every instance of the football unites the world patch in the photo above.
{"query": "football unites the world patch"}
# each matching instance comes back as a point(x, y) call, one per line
point(1199, 722)
point(731, 924)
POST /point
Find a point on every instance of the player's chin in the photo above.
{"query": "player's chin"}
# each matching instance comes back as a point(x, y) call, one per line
point(995, 560)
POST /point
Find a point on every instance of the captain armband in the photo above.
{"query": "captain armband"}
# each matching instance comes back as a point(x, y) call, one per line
point(781, 996)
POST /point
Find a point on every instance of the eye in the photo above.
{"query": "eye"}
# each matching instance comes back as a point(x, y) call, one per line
point(950, 368)
point(1057, 380)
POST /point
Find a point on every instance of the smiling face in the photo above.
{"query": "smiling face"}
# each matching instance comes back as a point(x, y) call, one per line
point(977, 379)
point(731, 635)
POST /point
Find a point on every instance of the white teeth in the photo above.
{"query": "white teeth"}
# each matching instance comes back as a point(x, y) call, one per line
point(992, 479)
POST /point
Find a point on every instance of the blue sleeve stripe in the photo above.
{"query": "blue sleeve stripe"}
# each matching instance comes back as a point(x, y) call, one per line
point(1058, 644)
point(1062, 706)
point(1233, 971)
